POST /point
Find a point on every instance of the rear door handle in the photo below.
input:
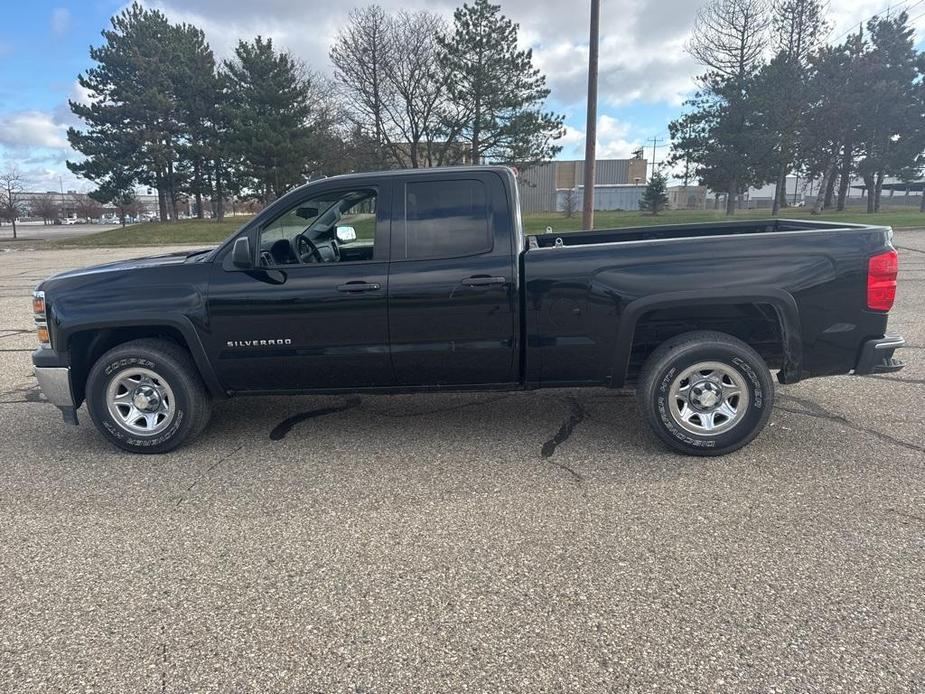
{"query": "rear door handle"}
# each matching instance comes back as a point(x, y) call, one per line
point(359, 286)
point(484, 281)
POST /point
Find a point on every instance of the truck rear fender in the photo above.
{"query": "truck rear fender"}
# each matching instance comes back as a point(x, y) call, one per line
point(782, 302)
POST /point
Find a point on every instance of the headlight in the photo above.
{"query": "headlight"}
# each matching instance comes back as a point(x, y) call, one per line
point(40, 315)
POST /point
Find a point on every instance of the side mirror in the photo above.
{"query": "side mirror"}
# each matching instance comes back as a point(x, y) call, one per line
point(346, 234)
point(307, 212)
point(241, 253)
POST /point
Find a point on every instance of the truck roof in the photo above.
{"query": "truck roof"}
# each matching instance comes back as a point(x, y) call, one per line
point(422, 172)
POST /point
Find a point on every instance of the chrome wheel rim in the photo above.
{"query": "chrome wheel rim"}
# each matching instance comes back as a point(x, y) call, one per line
point(708, 398)
point(140, 401)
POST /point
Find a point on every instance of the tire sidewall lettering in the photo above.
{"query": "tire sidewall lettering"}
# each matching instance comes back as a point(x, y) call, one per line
point(111, 370)
point(668, 375)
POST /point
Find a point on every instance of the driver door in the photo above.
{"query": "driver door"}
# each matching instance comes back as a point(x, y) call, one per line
point(308, 316)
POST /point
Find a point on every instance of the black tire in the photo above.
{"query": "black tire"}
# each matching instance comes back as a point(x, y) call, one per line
point(191, 404)
point(668, 362)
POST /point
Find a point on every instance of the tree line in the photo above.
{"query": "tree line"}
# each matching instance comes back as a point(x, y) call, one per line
point(776, 98)
point(408, 90)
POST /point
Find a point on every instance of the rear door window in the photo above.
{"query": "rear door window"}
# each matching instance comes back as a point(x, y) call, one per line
point(446, 219)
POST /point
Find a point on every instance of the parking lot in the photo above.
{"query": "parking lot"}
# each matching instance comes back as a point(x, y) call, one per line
point(464, 542)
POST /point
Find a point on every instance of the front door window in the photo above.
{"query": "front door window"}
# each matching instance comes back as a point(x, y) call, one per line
point(334, 227)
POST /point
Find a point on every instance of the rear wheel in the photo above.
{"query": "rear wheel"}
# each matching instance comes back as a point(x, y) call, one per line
point(705, 393)
point(146, 396)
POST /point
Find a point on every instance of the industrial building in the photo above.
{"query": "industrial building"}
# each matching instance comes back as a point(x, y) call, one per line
point(618, 184)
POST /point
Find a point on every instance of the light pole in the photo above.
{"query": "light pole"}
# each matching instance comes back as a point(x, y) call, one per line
point(587, 208)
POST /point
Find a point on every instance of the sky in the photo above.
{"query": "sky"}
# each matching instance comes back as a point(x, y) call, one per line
point(645, 74)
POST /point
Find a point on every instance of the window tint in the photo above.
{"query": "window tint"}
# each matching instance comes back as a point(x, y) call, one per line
point(444, 219)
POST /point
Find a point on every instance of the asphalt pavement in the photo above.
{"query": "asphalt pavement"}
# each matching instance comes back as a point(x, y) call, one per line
point(524, 542)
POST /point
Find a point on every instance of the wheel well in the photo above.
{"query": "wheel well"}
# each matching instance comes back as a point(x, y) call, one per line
point(757, 325)
point(87, 346)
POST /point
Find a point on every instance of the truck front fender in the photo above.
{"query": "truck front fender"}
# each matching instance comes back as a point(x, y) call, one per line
point(181, 324)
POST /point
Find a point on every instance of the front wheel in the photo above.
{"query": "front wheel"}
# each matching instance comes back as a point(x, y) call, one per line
point(705, 393)
point(146, 396)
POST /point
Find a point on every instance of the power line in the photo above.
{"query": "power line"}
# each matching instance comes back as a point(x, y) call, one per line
point(918, 16)
point(888, 9)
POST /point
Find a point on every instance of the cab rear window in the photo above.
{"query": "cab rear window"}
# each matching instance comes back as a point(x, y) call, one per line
point(446, 219)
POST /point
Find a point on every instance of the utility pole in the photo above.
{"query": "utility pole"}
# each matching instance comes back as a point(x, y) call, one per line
point(587, 208)
point(655, 143)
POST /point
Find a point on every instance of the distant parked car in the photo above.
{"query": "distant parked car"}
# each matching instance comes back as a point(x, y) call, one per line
point(69, 220)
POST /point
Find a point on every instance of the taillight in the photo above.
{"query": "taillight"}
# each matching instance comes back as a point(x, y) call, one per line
point(881, 281)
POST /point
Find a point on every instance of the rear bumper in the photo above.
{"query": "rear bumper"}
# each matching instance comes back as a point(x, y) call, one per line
point(877, 356)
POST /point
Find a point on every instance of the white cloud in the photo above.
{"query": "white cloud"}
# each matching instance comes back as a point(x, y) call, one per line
point(60, 21)
point(615, 140)
point(641, 56)
point(25, 129)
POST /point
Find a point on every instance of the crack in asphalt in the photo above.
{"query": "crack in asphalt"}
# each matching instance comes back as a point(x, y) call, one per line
point(575, 417)
point(910, 516)
point(907, 248)
point(226, 456)
point(813, 409)
point(13, 332)
point(280, 430)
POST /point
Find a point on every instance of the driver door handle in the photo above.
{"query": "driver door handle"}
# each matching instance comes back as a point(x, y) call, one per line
point(484, 281)
point(359, 286)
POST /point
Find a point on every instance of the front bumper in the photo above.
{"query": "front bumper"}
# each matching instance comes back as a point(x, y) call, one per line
point(877, 356)
point(55, 382)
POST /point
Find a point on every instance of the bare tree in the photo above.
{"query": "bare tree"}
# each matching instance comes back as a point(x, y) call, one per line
point(12, 203)
point(86, 207)
point(126, 203)
point(730, 37)
point(136, 208)
point(421, 123)
point(360, 55)
point(395, 86)
point(798, 28)
point(46, 206)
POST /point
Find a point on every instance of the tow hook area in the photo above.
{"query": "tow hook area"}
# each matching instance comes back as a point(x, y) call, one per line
point(877, 356)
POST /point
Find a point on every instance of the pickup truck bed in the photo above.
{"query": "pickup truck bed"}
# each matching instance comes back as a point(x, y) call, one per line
point(794, 290)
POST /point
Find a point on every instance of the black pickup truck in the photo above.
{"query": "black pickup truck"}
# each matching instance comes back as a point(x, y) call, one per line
point(424, 280)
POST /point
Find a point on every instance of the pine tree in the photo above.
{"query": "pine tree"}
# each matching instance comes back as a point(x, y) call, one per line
point(498, 88)
point(888, 139)
point(655, 196)
point(199, 103)
point(132, 127)
point(270, 132)
point(720, 136)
